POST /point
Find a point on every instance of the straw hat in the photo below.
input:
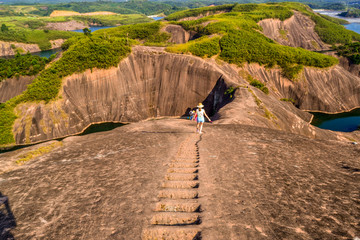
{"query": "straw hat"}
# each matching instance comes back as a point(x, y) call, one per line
point(200, 105)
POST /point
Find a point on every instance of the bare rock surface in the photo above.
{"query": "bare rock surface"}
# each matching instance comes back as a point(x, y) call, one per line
point(178, 34)
point(12, 87)
point(297, 31)
point(56, 43)
point(264, 184)
point(352, 68)
point(254, 183)
point(7, 50)
point(66, 26)
point(201, 16)
point(329, 90)
point(149, 83)
point(152, 83)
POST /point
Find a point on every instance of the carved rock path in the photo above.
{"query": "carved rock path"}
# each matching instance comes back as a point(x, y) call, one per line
point(156, 180)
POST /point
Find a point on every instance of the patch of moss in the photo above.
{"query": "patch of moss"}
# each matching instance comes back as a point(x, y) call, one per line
point(37, 153)
point(283, 34)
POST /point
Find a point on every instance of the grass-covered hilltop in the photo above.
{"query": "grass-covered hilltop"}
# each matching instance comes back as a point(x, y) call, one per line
point(228, 32)
point(37, 30)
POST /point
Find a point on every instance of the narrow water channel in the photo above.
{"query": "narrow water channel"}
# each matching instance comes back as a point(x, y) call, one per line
point(93, 128)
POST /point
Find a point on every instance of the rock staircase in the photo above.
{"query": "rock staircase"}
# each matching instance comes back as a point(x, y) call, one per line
point(177, 214)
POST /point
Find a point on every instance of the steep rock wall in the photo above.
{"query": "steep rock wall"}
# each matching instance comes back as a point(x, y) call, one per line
point(250, 106)
point(352, 68)
point(149, 83)
point(297, 31)
point(12, 87)
point(178, 34)
point(329, 90)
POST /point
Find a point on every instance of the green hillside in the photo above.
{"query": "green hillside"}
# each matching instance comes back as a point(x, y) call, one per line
point(232, 36)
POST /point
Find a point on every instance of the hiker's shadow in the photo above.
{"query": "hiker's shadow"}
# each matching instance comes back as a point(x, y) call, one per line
point(7, 219)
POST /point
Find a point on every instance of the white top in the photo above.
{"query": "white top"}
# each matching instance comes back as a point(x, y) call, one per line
point(200, 113)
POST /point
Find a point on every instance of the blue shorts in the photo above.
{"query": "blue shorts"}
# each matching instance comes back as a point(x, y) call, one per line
point(200, 119)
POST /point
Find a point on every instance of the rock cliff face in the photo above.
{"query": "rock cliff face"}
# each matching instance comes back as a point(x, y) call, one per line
point(352, 68)
point(152, 83)
point(149, 83)
point(178, 34)
point(6, 48)
point(329, 90)
point(66, 26)
point(10, 88)
point(297, 31)
point(201, 16)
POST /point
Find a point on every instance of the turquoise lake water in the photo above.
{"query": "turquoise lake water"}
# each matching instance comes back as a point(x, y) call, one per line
point(93, 29)
point(343, 122)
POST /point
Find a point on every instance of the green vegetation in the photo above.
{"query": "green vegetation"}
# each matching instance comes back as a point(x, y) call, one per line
point(198, 11)
point(149, 33)
point(234, 37)
point(33, 30)
point(329, 30)
point(242, 42)
point(40, 37)
point(111, 20)
point(130, 7)
point(333, 33)
point(37, 152)
point(288, 100)
point(334, 20)
point(350, 51)
point(230, 91)
point(327, 5)
point(82, 53)
point(251, 46)
point(21, 65)
point(256, 83)
point(352, 13)
point(202, 47)
point(259, 12)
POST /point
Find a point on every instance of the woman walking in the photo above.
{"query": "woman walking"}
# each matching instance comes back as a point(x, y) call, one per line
point(200, 113)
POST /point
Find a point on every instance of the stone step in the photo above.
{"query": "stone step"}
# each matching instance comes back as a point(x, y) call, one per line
point(175, 218)
point(180, 184)
point(183, 165)
point(178, 193)
point(182, 170)
point(190, 153)
point(186, 160)
point(181, 176)
point(171, 233)
point(177, 206)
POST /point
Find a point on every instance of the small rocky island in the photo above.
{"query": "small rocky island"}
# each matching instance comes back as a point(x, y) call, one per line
point(351, 13)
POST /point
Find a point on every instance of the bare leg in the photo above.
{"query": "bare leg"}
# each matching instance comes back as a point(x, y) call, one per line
point(201, 126)
point(197, 127)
